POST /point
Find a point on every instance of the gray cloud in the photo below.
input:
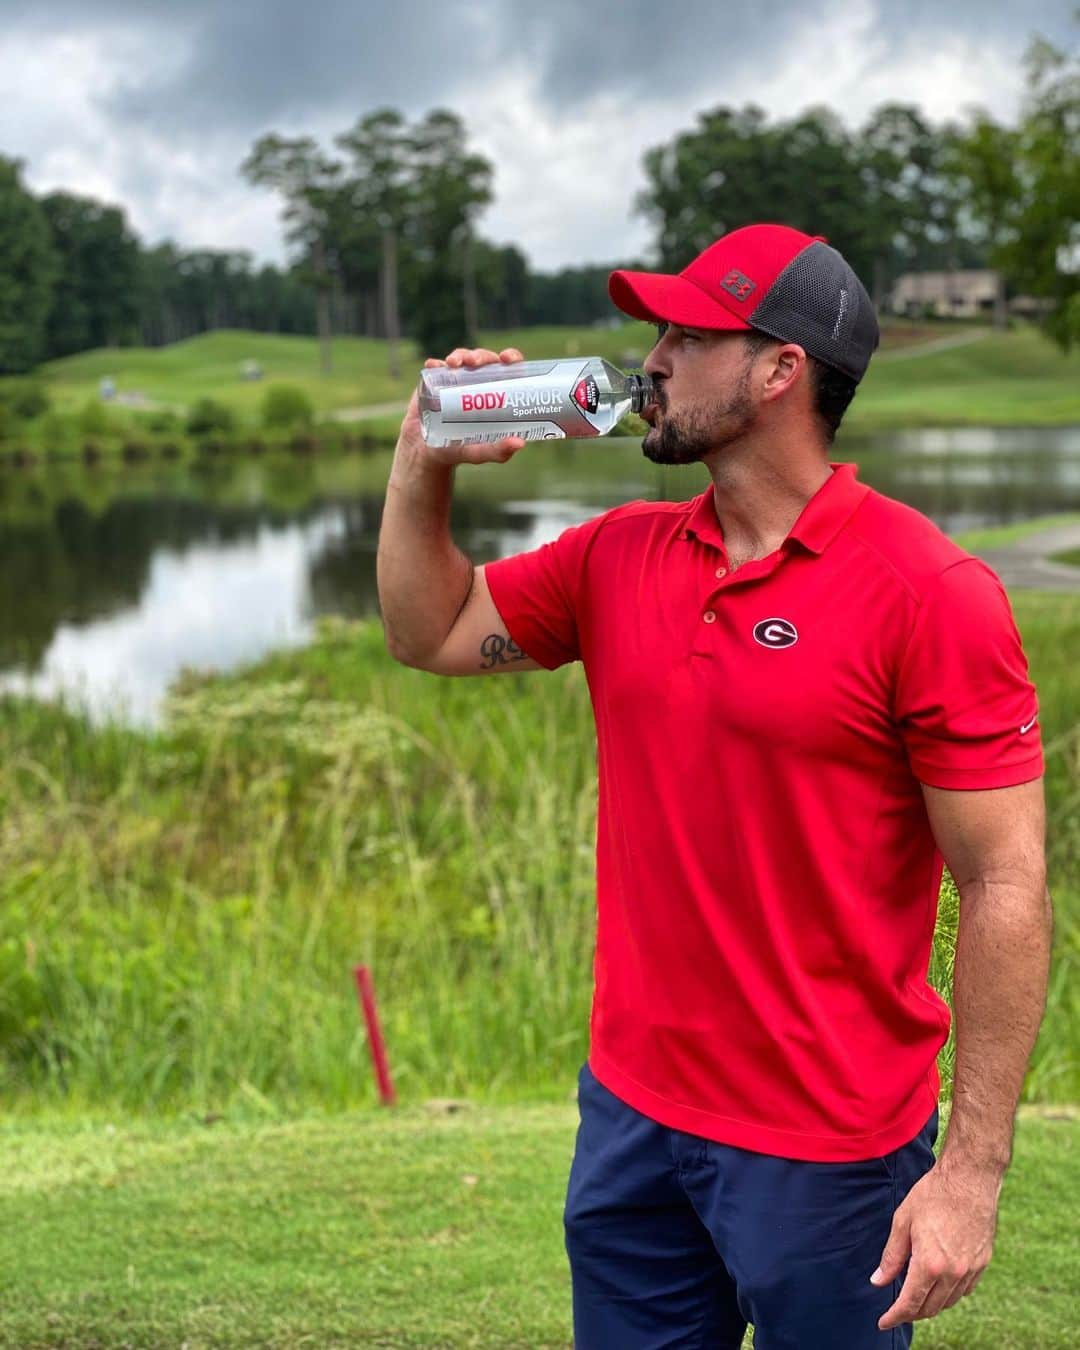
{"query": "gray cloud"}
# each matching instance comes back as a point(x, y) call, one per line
point(245, 65)
point(155, 104)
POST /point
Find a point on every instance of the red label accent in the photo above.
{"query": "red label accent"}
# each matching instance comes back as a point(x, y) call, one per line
point(587, 395)
point(480, 402)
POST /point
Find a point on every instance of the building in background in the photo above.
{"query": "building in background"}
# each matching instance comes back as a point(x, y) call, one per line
point(972, 294)
point(946, 295)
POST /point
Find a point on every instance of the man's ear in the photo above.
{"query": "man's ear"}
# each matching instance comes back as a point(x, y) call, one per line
point(787, 366)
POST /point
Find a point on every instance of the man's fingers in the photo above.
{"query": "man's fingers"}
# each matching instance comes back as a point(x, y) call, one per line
point(476, 356)
point(909, 1301)
point(896, 1250)
point(926, 1292)
point(956, 1295)
point(488, 452)
point(472, 356)
point(964, 1288)
point(941, 1296)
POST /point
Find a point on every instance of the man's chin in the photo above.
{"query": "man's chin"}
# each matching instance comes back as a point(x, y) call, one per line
point(656, 448)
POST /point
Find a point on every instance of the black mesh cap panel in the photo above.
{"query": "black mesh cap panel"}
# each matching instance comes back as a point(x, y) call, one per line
point(819, 302)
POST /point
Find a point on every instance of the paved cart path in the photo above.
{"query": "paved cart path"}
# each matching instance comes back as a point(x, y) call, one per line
point(1027, 563)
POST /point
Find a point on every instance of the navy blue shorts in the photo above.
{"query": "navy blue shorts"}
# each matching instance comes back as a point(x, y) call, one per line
point(677, 1242)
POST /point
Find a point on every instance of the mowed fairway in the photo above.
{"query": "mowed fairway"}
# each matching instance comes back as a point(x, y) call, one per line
point(211, 366)
point(1013, 378)
point(412, 1229)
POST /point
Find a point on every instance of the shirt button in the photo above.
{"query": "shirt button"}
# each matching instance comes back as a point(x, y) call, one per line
point(721, 572)
point(709, 616)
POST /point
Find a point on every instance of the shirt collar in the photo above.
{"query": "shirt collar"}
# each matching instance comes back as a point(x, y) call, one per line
point(822, 518)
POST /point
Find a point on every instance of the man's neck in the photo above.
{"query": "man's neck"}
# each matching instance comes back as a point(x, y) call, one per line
point(758, 497)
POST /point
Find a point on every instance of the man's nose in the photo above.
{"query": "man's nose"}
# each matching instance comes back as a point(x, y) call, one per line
point(656, 364)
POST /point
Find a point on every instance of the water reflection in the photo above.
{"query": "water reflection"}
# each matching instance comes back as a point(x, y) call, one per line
point(112, 580)
point(212, 604)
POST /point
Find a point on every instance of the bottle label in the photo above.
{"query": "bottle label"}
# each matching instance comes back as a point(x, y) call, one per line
point(495, 431)
point(539, 398)
point(568, 397)
point(587, 394)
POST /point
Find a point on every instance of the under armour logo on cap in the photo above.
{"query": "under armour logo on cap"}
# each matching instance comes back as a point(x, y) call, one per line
point(738, 285)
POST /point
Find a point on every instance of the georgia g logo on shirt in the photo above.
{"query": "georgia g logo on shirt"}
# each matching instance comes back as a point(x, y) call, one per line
point(776, 633)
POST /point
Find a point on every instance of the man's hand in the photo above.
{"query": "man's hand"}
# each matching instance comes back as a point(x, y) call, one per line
point(946, 1224)
point(412, 437)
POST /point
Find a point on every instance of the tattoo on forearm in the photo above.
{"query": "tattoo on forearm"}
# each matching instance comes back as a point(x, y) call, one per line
point(500, 651)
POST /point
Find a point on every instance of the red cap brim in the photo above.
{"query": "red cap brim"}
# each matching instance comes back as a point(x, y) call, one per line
point(657, 297)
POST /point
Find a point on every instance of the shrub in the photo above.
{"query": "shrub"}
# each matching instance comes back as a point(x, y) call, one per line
point(56, 432)
point(25, 399)
point(286, 405)
point(206, 415)
point(160, 420)
point(94, 418)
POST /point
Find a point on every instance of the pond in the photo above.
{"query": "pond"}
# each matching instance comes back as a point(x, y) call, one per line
point(114, 578)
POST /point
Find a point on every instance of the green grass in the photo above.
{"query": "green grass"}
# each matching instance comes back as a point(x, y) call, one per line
point(179, 911)
point(415, 1229)
point(211, 365)
point(1013, 378)
point(1016, 378)
point(1070, 556)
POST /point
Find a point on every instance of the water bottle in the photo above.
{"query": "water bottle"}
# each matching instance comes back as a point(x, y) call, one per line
point(537, 400)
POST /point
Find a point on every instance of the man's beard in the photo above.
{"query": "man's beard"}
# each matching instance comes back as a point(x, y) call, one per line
point(688, 439)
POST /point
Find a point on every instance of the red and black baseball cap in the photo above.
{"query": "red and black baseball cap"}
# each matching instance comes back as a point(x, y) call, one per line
point(778, 280)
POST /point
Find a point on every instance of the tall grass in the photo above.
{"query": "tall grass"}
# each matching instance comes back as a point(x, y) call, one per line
point(180, 911)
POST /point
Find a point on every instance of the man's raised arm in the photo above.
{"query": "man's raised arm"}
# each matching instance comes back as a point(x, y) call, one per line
point(437, 611)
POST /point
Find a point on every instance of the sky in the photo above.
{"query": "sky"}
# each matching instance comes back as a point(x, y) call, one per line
point(153, 104)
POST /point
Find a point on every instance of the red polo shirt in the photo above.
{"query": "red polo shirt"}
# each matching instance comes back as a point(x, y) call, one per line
point(767, 879)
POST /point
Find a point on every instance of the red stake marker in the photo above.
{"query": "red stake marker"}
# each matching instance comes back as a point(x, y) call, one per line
point(375, 1040)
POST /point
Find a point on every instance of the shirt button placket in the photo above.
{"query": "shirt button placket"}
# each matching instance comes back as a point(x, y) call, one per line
point(709, 616)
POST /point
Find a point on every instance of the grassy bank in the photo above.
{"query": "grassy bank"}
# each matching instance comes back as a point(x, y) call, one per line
point(1001, 536)
point(179, 911)
point(416, 1229)
point(1013, 378)
point(1016, 378)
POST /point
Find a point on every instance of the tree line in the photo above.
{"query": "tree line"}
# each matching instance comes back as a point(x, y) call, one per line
point(898, 194)
point(75, 276)
point(383, 228)
point(385, 231)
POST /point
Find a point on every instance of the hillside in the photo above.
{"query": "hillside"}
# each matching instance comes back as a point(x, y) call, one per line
point(934, 375)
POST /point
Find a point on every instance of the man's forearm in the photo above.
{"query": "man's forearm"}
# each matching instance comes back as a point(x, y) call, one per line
point(423, 577)
point(999, 993)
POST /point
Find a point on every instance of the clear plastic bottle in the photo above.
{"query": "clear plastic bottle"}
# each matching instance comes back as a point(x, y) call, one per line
point(539, 400)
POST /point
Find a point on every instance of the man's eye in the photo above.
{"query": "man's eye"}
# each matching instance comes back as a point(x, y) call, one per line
point(661, 329)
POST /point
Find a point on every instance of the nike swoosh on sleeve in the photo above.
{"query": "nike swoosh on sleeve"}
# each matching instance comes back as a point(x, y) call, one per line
point(1024, 730)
